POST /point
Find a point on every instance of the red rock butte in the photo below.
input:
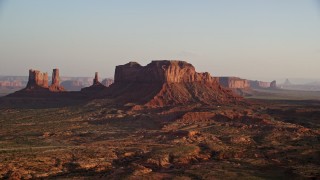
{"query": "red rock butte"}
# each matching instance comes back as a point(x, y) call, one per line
point(238, 83)
point(234, 82)
point(166, 82)
point(96, 86)
point(55, 85)
point(160, 72)
point(38, 81)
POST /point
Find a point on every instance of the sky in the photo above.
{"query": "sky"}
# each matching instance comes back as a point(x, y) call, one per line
point(266, 39)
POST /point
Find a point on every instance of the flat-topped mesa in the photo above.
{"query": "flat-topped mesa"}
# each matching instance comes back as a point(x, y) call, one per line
point(166, 83)
point(37, 79)
point(234, 82)
point(259, 84)
point(164, 71)
point(55, 85)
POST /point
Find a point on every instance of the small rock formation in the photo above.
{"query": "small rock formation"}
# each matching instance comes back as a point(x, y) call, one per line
point(107, 82)
point(234, 82)
point(273, 84)
point(37, 80)
point(96, 79)
point(95, 87)
point(55, 85)
point(165, 83)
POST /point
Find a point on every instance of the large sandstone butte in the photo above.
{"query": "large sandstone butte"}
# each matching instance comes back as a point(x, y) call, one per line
point(160, 72)
point(37, 80)
point(163, 83)
point(238, 83)
point(55, 85)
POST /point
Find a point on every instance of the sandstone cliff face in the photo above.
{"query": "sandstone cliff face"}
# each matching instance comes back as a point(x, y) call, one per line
point(163, 83)
point(127, 73)
point(234, 82)
point(259, 84)
point(55, 85)
point(37, 79)
point(160, 72)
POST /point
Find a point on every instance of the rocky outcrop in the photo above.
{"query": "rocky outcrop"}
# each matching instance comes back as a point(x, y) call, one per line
point(273, 84)
point(96, 79)
point(38, 83)
point(163, 83)
point(127, 73)
point(160, 72)
point(55, 85)
point(237, 84)
point(259, 84)
point(96, 86)
point(107, 82)
point(37, 80)
point(234, 82)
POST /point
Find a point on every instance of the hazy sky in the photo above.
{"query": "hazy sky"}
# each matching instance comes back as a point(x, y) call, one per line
point(246, 38)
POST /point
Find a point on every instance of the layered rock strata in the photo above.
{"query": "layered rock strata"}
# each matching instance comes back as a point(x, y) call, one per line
point(165, 82)
point(234, 82)
point(37, 79)
point(160, 72)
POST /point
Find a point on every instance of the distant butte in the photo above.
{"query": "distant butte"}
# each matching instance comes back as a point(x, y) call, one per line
point(238, 83)
point(96, 86)
point(160, 83)
point(55, 86)
point(165, 82)
point(38, 84)
point(37, 80)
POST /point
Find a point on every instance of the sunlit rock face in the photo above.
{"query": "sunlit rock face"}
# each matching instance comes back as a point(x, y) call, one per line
point(37, 79)
point(55, 85)
point(166, 83)
point(234, 82)
point(164, 71)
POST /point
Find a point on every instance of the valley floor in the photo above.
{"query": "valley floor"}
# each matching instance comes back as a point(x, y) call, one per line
point(259, 139)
